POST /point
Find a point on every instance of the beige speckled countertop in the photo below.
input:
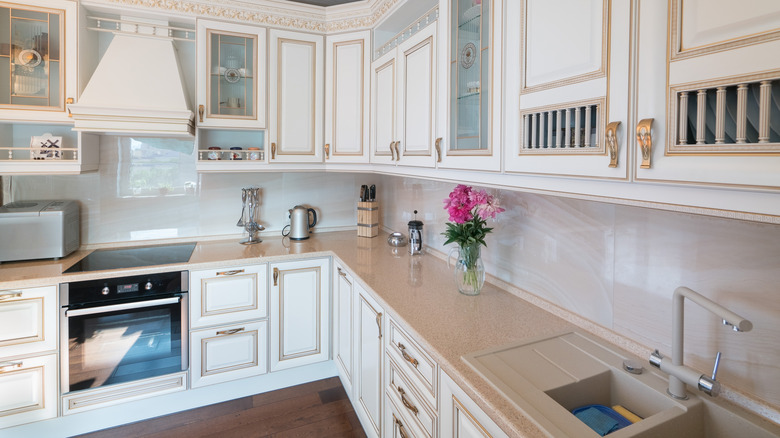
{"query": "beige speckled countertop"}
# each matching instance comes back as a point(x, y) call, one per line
point(418, 291)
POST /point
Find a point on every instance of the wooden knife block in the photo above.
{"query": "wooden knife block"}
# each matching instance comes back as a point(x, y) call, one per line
point(368, 219)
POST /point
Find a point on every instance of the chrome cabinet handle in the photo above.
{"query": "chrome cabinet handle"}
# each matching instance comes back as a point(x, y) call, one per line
point(406, 402)
point(231, 331)
point(276, 276)
point(233, 272)
point(612, 143)
point(8, 366)
point(379, 323)
point(7, 295)
point(406, 356)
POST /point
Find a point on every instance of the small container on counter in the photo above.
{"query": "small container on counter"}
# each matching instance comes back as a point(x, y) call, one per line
point(415, 235)
point(236, 154)
point(255, 153)
point(215, 153)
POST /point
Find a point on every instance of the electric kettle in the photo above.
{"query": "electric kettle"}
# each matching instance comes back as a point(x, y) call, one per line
point(299, 222)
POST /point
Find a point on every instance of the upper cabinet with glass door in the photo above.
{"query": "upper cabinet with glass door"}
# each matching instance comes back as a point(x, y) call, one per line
point(569, 71)
point(470, 55)
point(231, 75)
point(710, 102)
point(37, 60)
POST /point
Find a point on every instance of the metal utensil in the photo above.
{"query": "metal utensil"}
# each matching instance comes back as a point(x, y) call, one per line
point(240, 222)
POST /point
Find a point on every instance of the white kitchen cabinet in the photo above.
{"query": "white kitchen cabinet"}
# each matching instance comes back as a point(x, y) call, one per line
point(29, 389)
point(572, 84)
point(347, 66)
point(460, 417)
point(369, 318)
point(231, 75)
point(344, 325)
point(470, 80)
point(412, 410)
point(415, 363)
point(404, 102)
point(300, 309)
point(38, 60)
point(228, 352)
point(709, 78)
point(296, 95)
point(228, 295)
point(28, 321)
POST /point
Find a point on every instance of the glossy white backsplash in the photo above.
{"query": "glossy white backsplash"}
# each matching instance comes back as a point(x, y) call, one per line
point(618, 266)
point(148, 189)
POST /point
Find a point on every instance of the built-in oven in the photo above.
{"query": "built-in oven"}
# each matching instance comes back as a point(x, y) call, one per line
point(119, 330)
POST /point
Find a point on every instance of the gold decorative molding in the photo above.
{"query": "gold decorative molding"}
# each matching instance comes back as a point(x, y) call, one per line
point(270, 15)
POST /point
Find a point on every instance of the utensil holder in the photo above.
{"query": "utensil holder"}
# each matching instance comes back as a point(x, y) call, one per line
point(368, 219)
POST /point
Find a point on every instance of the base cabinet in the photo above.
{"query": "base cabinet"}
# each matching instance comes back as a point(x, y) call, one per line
point(300, 312)
point(29, 390)
point(343, 326)
point(368, 368)
point(223, 296)
point(228, 353)
point(460, 417)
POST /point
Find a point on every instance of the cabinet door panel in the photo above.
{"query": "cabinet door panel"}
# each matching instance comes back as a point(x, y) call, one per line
point(297, 95)
point(460, 417)
point(368, 381)
point(228, 353)
point(222, 296)
point(417, 76)
point(299, 313)
point(28, 320)
point(343, 327)
point(346, 125)
point(29, 388)
point(383, 108)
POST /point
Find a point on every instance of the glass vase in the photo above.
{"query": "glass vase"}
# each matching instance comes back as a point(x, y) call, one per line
point(469, 270)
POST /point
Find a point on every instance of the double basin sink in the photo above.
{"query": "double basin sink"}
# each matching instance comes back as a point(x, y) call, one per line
point(548, 378)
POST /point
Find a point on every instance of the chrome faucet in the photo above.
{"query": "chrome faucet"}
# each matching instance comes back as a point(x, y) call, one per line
point(679, 374)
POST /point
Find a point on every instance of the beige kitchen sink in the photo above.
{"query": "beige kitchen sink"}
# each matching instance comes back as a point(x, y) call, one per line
point(548, 378)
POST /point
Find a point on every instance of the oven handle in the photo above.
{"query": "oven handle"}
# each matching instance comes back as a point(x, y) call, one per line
point(126, 306)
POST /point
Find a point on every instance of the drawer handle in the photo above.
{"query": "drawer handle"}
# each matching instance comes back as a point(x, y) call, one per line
point(392, 153)
point(342, 273)
point(401, 430)
point(379, 323)
point(201, 110)
point(276, 276)
point(327, 151)
point(438, 149)
point(406, 356)
point(231, 331)
point(233, 272)
point(612, 144)
point(406, 403)
point(273, 151)
point(644, 139)
point(8, 366)
point(397, 152)
point(10, 294)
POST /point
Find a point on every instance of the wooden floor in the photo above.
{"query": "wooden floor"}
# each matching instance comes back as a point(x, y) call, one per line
point(319, 409)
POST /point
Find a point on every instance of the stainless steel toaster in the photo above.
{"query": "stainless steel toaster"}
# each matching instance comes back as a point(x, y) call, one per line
point(38, 230)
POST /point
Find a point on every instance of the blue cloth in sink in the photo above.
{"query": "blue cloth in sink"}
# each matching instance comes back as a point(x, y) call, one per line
point(602, 419)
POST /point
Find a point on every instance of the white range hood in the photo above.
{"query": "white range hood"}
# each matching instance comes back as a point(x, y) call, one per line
point(137, 89)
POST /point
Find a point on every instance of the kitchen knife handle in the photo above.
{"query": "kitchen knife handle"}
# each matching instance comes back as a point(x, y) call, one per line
point(276, 276)
point(273, 151)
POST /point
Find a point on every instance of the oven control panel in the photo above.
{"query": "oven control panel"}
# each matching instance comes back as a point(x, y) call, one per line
point(94, 292)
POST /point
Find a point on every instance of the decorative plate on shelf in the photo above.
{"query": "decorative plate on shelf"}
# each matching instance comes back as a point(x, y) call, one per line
point(232, 75)
point(468, 55)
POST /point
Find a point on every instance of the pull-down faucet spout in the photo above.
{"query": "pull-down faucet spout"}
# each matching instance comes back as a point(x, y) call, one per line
point(679, 374)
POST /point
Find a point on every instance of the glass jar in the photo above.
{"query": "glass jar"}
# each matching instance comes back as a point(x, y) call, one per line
point(215, 153)
point(254, 153)
point(235, 153)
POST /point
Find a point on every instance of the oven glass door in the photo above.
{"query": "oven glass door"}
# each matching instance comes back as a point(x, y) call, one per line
point(108, 346)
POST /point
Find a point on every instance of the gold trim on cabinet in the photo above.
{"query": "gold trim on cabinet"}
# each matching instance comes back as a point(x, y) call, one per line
point(39, 372)
point(279, 98)
point(458, 407)
point(611, 141)
point(256, 49)
point(644, 139)
point(675, 37)
point(362, 95)
point(601, 72)
point(205, 312)
point(432, 122)
point(39, 308)
point(205, 371)
point(318, 347)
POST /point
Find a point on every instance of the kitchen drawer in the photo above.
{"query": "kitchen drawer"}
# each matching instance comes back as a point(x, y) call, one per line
point(29, 390)
point(228, 353)
point(404, 395)
point(28, 321)
point(224, 296)
point(398, 424)
point(414, 361)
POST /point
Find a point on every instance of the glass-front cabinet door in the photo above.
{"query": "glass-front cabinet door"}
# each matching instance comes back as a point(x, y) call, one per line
point(33, 75)
point(231, 75)
point(471, 59)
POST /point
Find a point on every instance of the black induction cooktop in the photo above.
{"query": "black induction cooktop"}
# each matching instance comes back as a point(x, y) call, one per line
point(136, 257)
